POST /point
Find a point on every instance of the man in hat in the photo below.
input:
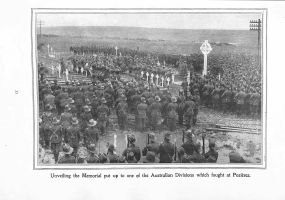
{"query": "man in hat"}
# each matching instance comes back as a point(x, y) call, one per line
point(132, 151)
point(66, 117)
point(49, 98)
point(189, 113)
point(235, 157)
point(226, 100)
point(180, 108)
point(141, 115)
point(103, 114)
point(240, 100)
point(61, 100)
point(67, 158)
point(56, 137)
point(196, 157)
point(212, 155)
point(121, 110)
point(255, 103)
point(46, 125)
point(73, 134)
point(181, 155)
point(135, 100)
point(166, 150)
point(172, 115)
point(215, 95)
point(150, 158)
point(82, 153)
point(103, 157)
point(92, 156)
point(111, 155)
point(152, 145)
point(73, 108)
point(155, 113)
point(85, 117)
point(91, 133)
point(189, 145)
point(196, 99)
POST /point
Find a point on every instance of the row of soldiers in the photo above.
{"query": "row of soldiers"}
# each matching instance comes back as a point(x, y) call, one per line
point(153, 152)
point(215, 95)
point(81, 113)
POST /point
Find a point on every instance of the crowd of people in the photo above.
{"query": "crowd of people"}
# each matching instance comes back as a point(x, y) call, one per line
point(233, 83)
point(73, 117)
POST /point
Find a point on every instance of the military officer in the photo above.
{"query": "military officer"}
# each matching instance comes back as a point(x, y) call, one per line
point(103, 113)
point(67, 158)
point(132, 151)
point(166, 150)
point(152, 145)
point(141, 115)
point(56, 137)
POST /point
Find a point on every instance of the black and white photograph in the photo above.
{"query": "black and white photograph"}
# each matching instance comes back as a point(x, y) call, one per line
point(149, 88)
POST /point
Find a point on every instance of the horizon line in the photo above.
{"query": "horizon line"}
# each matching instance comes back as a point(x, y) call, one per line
point(142, 27)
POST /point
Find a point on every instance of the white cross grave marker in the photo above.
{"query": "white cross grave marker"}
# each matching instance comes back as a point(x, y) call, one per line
point(157, 76)
point(168, 81)
point(66, 74)
point(206, 49)
point(151, 77)
point(147, 74)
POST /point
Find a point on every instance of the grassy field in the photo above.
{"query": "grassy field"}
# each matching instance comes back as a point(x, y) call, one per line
point(172, 41)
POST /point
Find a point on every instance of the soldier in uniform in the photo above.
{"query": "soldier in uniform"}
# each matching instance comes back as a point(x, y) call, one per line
point(152, 145)
point(132, 152)
point(239, 99)
point(67, 158)
point(226, 100)
point(47, 119)
point(122, 109)
point(61, 101)
point(85, 117)
point(212, 155)
point(196, 99)
point(188, 146)
point(235, 157)
point(92, 156)
point(180, 109)
point(56, 137)
point(150, 158)
point(66, 117)
point(172, 116)
point(73, 135)
point(166, 150)
point(94, 106)
point(216, 98)
point(73, 108)
point(103, 113)
point(189, 113)
point(254, 102)
point(91, 134)
point(49, 98)
point(155, 113)
point(135, 100)
point(196, 157)
point(141, 115)
point(111, 155)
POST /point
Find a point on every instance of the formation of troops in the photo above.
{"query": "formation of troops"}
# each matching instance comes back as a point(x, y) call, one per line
point(74, 117)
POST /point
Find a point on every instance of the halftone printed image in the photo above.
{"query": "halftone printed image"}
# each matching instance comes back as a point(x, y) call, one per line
point(149, 88)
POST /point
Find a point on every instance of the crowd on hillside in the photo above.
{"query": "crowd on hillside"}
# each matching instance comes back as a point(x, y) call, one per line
point(74, 116)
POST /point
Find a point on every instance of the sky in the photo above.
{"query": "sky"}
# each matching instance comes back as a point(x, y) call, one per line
point(175, 21)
